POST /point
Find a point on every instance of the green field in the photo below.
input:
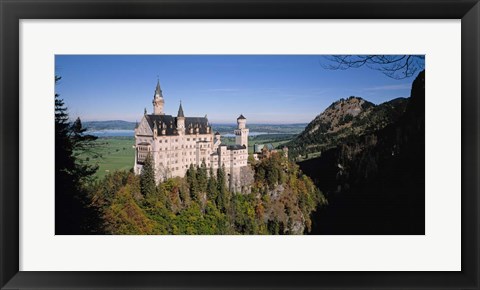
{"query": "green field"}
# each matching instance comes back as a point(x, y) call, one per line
point(112, 153)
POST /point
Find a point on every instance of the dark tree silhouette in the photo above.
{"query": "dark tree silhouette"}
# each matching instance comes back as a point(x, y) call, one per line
point(394, 66)
point(73, 215)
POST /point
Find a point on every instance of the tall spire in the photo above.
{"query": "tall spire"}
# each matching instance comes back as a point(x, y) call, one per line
point(180, 111)
point(158, 90)
point(158, 101)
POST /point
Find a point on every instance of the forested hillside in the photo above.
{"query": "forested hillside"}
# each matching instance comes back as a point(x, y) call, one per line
point(375, 182)
point(281, 202)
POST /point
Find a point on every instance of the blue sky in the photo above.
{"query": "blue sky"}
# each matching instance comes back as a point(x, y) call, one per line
point(271, 89)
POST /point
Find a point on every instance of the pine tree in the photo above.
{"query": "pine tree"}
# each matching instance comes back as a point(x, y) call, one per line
point(202, 177)
point(82, 144)
point(148, 186)
point(73, 215)
point(192, 182)
point(212, 187)
point(223, 199)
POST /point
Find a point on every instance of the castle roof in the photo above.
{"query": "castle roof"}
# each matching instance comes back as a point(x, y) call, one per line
point(169, 123)
point(216, 133)
point(158, 90)
point(241, 117)
point(235, 147)
point(180, 111)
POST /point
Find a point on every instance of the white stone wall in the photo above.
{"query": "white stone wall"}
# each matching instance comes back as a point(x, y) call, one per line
point(173, 155)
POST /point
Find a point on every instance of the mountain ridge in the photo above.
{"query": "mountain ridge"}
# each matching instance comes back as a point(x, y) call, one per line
point(343, 120)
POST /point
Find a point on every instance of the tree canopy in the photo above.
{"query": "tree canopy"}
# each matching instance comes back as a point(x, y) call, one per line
point(200, 203)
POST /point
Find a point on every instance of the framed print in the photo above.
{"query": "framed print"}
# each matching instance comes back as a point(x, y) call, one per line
point(197, 144)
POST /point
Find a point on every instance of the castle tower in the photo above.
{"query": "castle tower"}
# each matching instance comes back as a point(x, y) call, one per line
point(158, 101)
point(180, 120)
point(241, 133)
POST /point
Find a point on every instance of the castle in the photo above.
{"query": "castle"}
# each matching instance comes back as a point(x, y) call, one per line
point(177, 142)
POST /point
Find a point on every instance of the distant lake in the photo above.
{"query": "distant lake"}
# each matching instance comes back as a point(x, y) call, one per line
point(111, 133)
point(130, 133)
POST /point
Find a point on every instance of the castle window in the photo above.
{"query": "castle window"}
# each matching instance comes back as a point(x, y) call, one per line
point(188, 139)
point(142, 153)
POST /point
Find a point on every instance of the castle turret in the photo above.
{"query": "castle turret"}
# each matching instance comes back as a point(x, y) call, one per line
point(241, 122)
point(155, 129)
point(180, 120)
point(158, 101)
point(241, 133)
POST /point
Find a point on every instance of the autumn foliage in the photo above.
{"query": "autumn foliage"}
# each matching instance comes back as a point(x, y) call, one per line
point(280, 201)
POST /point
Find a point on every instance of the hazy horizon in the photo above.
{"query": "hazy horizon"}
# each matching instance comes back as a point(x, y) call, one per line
point(213, 123)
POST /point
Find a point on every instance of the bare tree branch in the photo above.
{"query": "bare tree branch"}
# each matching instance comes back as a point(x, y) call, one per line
point(393, 66)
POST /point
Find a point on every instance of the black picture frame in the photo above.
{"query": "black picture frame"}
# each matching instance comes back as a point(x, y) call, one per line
point(12, 11)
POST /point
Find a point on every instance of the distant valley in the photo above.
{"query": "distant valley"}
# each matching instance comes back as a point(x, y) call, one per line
point(259, 129)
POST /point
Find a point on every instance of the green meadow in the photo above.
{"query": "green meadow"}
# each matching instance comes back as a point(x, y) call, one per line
point(111, 153)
